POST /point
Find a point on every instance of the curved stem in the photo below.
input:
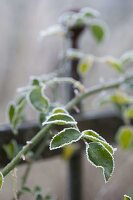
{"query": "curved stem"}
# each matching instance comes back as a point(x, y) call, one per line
point(40, 135)
point(98, 88)
point(70, 80)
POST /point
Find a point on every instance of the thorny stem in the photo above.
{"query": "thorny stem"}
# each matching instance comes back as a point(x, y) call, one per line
point(40, 135)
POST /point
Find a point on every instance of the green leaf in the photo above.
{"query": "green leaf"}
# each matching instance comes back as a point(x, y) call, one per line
point(60, 119)
point(89, 12)
point(65, 137)
point(38, 100)
point(1, 180)
point(39, 197)
point(20, 100)
point(59, 110)
point(98, 31)
point(16, 112)
point(120, 98)
point(35, 82)
point(85, 64)
point(115, 63)
point(127, 197)
point(11, 112)
point(90, 135)
point(11, 149)
point(37, 193)
point(100, 157)
point(37, 189)
point(128, 113)
point(48, 197)
point(124, 137)
point(26, 190)
point(93, 133)
point(20, 104)
point(127, 57)
point(78, 21)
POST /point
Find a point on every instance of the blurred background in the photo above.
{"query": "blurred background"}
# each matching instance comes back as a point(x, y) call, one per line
point(22, 55)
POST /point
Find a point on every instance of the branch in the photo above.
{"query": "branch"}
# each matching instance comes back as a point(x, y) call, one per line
point(75, 83)
point(98, 88)
point(37, 138)
point(40, 135)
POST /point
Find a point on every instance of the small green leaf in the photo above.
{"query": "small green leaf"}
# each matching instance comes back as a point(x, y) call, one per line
point(26, 190)
point(120, 98)
point(128, 113)
point(37, 193)
point(20, 104)
point(1, 180)
point(37, 189)
point(59, 110)
point(124, 137)
point(35, 82)
point(100, 157)
point(127, 197)
point(65, 137)
point(11, 112)
point(89, 12)
point(98, 31)
point(78, 21)
point(115, 63)
point(11, 149)
point(20, 100)
point(48, 197)
point(39, 197)
point(85, 64)
point(60, 119)
point(38, 100)
point(16, 112)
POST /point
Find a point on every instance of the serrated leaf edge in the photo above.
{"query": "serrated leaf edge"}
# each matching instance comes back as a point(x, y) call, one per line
point(106, 181)
point(67, 143)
